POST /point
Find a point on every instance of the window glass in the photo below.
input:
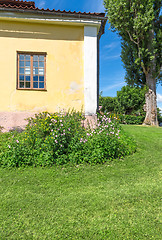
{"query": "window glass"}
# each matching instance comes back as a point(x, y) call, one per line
point(41, 78)
point(35, 64)
point(27, 57)
point(22, 57)
point(35, 78)
point(27, 84)
point(41, 71)
point(21, 70)
point(35, 57)
point(31, 71)
point(41, 58)
point(41, 84)
point(21, 63)
point(21, 77)
point(35, 84)
point(27, 78)
point(21, 84)
point(27, 70)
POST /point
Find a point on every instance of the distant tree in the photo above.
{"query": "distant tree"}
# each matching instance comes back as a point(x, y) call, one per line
point(134, 73)
point(129, 100)
point(109, 104)
point(138, 24)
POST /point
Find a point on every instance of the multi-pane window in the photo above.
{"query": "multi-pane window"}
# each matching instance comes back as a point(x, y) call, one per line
point(31, 71)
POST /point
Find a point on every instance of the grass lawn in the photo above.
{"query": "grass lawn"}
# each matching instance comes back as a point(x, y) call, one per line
point(119, 200)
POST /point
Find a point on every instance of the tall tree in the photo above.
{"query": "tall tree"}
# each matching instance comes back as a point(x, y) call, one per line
point(139, 25)
point(134, 74)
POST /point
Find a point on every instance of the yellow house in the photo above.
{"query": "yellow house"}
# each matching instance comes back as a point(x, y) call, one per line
point(49, 60)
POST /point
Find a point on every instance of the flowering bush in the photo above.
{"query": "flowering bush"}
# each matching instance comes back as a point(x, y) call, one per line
point(60, 138)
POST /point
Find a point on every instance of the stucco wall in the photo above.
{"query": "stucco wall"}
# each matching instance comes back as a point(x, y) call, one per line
point(64, 46)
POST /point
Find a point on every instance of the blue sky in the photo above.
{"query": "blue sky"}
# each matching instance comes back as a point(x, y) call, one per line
point(111, 70)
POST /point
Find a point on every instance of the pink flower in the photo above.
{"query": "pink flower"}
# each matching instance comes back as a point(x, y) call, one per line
point(118, 137)
point(17, 141)
point(9, 146)
point(56, 141)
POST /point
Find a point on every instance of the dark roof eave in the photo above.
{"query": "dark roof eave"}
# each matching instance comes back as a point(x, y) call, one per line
point(99, 16)
point(63, 14)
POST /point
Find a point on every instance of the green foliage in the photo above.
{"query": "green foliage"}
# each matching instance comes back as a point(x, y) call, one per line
point(116, 200)
point(109, 104)
point(1, 128)
point(138, 24)
point(131, 119)
point(57, 139)
point(159, 115)
point(130, 100)
point(134, 73)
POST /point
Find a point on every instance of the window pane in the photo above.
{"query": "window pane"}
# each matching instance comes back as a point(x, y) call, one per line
point(41, 84)
point(35, 71)
point(41, 58)
point(41, 78)
point(35, 57)
point(21, 70)
point(21, 63)
point(35, 84)
point(27, 84)
point(27, 63)
point(21, 57)
point(27, 78)
point(41, 71)
point(35, 78)
point(41, 64)
point(35, 64)
point(21, 77)
point(27, 70)
point(21, 84)
point(27, 57)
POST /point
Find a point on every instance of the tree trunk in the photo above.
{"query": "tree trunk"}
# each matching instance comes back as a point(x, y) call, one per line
point(150, 96)
point(151, 103)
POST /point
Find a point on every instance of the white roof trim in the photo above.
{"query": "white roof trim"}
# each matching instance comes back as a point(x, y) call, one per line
point(49, 19)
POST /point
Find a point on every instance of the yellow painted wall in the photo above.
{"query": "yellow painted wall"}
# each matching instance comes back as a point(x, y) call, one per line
point(64, 70)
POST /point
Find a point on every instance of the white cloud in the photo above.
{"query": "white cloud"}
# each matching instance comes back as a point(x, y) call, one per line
point(104, 89)
point(112, 45)
point(111, 57)
point(159, 98)
point(41, 4)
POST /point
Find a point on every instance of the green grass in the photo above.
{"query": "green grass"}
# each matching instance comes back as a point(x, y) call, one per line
point(120, 200)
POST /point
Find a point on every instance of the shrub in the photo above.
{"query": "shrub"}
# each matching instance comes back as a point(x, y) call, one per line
point(1, 128)
point(58, 139)
point(131, 119)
